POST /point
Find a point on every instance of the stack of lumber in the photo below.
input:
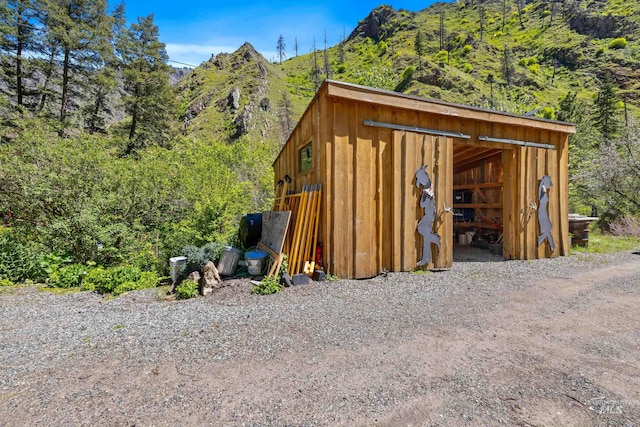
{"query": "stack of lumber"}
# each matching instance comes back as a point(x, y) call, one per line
point(302, 237)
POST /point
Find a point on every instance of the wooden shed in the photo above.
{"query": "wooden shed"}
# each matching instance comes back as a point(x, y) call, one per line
point(365, 145)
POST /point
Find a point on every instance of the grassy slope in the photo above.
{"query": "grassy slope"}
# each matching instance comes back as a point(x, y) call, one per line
point(460, 76)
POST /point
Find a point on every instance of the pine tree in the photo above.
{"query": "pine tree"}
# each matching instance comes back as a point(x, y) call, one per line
point(520, 7)
point(327, 66)
point(149, 100)
point(507, 66)
point(606, 108)
point(281, 48)
point(481, 14)
point(285, 114)
point(103, 82)
point(442, 32)
point(295, 46)
point(76, 26)
point(315, 69)
point(491, 80)
point(17, 36)
point(418, 45)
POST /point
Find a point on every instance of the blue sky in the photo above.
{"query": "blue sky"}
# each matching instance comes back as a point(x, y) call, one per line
point(194, 29)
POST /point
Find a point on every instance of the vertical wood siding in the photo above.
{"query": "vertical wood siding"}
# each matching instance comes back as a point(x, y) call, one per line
point(370, 203)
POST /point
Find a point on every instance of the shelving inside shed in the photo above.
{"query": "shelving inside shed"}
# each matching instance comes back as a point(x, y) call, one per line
point(478, 190)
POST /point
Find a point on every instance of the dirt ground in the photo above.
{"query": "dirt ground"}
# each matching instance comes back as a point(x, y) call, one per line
point(564, 351)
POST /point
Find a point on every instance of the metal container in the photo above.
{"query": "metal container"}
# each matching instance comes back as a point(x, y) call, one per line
point(255, 261)
point(229, 261)
point(176, 264)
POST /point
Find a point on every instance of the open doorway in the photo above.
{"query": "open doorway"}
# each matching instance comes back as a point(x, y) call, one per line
point(478, 199)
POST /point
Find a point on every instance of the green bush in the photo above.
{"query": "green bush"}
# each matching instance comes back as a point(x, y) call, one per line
point(18, 261)
point(269, 285)
point(441, 56)
point(197, 258)
point(534, 68)
point(112, 277)
point(187, 289)
point(67, 277)
point(467, 68)
point(147, 280)
point(118, 280)
point(52, 261)
point(619, 43)
point(467, 49)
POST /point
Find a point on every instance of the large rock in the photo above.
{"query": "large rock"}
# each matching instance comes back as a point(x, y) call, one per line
point(210, 279)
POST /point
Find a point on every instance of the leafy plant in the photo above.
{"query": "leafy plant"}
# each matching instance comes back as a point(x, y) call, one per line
point(67, 277)
point(618, 43)
point(187, 289)
point(268, 285)
point(52, 261)
point(197, 258)
point(18, 261)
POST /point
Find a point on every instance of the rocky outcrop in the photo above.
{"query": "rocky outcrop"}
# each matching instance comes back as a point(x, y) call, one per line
point(243, 91)
point(382, 23)
point(591, 23)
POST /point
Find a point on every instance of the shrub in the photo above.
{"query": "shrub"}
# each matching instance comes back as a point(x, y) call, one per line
point(441, 56)
point(467, 68)
point(619, 43)
point(600, 51)
point(18, 261)
point(197, 258)
point(627, 226)
point(548, 113)
point(405, 79)
point(117, 280)
point(269, 285)
point(341, 69)
point(67, 277)
point(114, 276)
point(147, 280)
point(467, 49)
point(52, 262)
point(187, 289)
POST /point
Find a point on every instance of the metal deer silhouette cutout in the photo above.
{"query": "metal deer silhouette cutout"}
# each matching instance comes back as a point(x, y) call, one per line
point(425, 226)
point(543, 214)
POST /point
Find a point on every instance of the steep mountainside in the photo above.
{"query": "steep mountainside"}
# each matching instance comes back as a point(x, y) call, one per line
point(503, 54)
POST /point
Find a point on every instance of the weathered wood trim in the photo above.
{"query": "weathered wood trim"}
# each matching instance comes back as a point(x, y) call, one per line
point(396, 100)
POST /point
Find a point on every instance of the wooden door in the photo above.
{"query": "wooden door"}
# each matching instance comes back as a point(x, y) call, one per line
point(410, 152)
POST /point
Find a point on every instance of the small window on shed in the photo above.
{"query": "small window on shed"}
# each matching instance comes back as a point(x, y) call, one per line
point(306, 158)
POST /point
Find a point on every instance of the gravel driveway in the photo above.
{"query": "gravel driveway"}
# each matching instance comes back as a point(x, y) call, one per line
point(543, 343)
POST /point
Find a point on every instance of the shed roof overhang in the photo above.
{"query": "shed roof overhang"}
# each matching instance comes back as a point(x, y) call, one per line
point(398, 100)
